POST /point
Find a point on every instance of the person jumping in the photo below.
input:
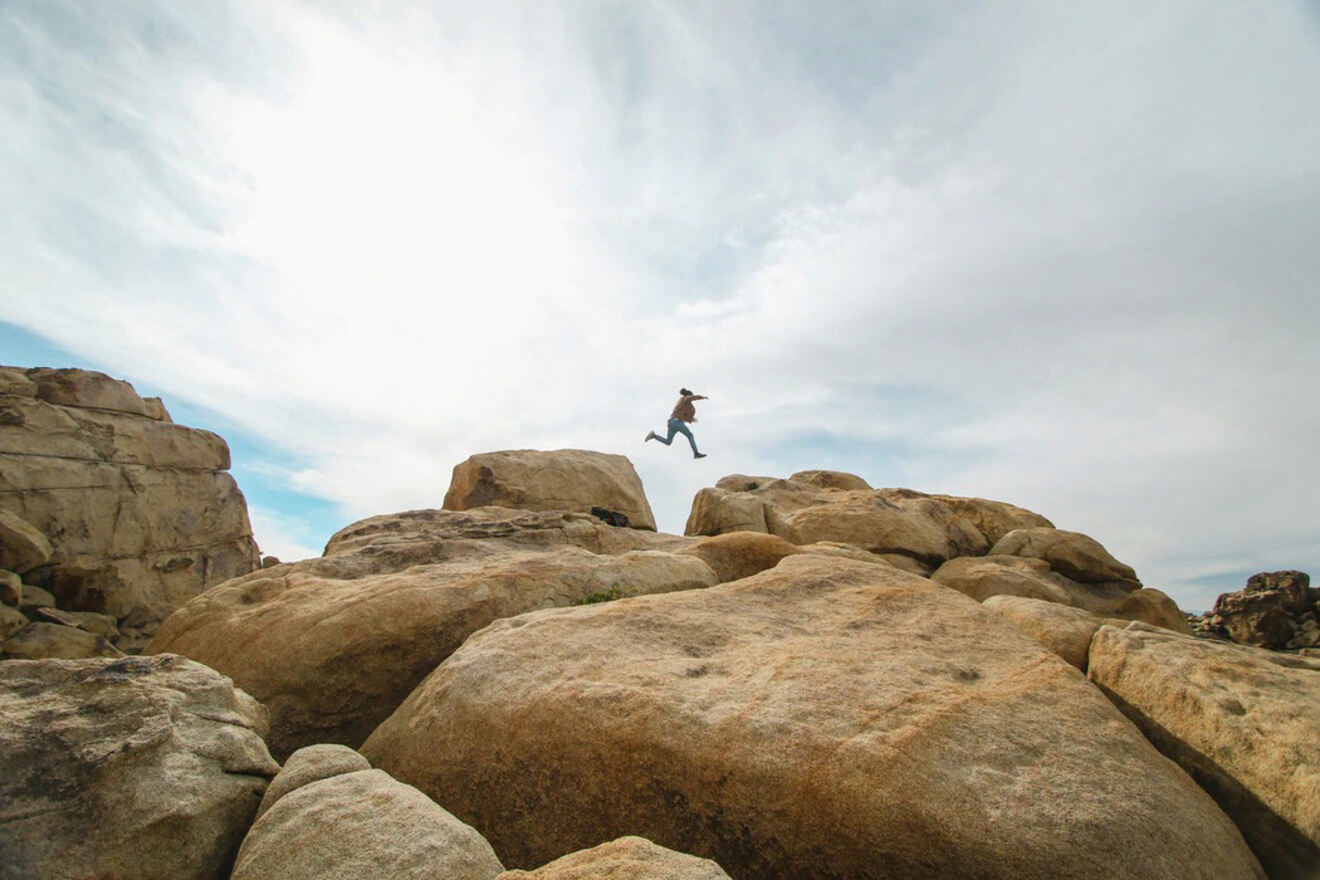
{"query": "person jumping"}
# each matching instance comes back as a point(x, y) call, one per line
point(683, 414)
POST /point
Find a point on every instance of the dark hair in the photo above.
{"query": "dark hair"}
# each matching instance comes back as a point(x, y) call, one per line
point(684, 392)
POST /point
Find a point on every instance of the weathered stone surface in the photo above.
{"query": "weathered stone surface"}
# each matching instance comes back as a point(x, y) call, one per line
point(11, 621)
point(567, 479)
point(86, 389)
point(1244, 726)
point(994, 519)
point(11, 589)
point(51, 641)
point(31, 598)
point(362, 824)
point(1065, 630)
point(143, 768)
point(22, 546)
point(1071, 554)
point(983, 577)
point(825, 506)
point(741, 554)
point(628, 858)
point(1267, 612)
point(332, 645)
point(832, 480)
point(1148, 606)
point(824, 718)
point(139, 512)
point(311, 764)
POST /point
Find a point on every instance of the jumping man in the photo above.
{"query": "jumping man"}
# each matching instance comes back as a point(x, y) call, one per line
point(684, 413)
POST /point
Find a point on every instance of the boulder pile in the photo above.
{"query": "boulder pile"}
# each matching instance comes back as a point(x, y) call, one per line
point(1276, 610)
point(820, 679)
point(108, 505)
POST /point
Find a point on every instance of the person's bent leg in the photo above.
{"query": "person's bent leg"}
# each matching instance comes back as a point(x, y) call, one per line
point(670, 438)
point(691, 440)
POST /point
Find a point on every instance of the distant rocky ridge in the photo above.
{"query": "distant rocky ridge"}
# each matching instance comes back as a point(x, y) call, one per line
point(820, 679)
point(134, 514)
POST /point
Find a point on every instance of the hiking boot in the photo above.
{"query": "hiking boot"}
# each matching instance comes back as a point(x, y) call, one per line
point(698, 455)
point(650, 435)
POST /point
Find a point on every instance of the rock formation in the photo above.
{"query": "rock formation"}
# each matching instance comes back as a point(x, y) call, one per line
point(1244, 722)
point(362, 824)
point(333, 645)
point(150, 768)
point(628, 858)
point(108, 504)
point(1276, 610)
point(824, 718)
point(568, 479)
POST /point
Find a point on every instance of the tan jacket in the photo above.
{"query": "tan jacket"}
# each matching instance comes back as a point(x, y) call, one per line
point(684, 410)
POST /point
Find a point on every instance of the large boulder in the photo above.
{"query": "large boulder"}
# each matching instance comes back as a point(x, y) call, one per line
point(22, 546)
point(140, 513)
point(331, 646)
point(149, 768)
point(824, 718)
point(740, 554)
point(311, 764)
point(52, 641)
point(566, 479)
point(362, 824)
point(1243, 724)
point(628, 858)
point(982, 577)
point(826, 506)
point(1065, 630)
point(1072, 554)
point(1269, 612)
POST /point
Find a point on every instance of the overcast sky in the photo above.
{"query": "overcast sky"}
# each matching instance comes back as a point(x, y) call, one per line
point(1059, 254)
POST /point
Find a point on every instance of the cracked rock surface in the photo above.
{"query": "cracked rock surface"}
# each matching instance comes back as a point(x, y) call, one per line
point(140, 767)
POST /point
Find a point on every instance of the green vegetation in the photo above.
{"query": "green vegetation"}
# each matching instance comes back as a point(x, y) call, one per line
point(618, 591)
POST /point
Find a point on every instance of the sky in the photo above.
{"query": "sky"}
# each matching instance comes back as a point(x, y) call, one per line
point(1061, 255)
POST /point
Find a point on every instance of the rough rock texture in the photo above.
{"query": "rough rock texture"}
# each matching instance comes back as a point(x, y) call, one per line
point(331, 646)
point(1146, 605)
point(1246, 727)
point(22, 546)
point(144, 768)
point(628, 858)
point(983, 577)
point(11, 621)
point(1071, 554)
point(741, 554)
point(308, 765)
point(566, 479)
point(11, 589)
point(813, 507)
point(825, 718)
point(1276, 610)
point(1065, 630)
point(51, 641)
point(140, 513)
point(362, 824)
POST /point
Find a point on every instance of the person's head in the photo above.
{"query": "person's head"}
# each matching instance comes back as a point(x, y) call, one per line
point(685, 392)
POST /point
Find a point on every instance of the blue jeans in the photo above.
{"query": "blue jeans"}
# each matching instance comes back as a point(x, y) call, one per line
point(678, 426)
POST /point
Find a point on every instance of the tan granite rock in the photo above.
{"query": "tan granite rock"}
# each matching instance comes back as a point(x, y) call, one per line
point(628, 858)
point(332, 645)
point(143, 768)
point(740, 554)
point(1065, 630)
point(140, 513)
point(819, 719)
point(22, 546)
point(566, 479)
point(51, 641)
point(311, 764)
point(1071, 554)
point(1241, 722)
point(362, 824)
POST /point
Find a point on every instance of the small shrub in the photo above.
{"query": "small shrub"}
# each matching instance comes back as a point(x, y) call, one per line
point(617, 591)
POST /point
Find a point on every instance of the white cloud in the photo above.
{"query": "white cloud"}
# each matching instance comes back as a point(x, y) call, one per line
point(1058, 255)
